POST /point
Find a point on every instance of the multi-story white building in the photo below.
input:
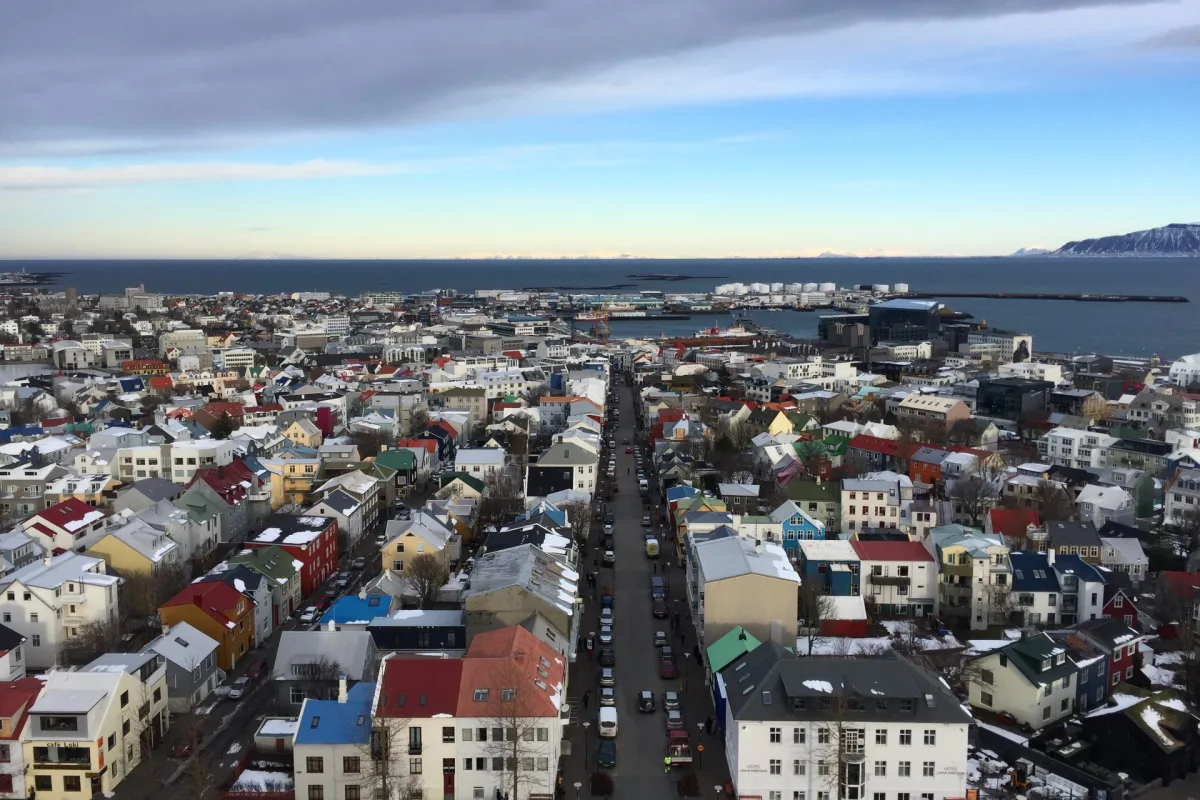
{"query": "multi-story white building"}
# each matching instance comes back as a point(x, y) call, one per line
point(1033, 370)
point(1101, 504)
point(819, 727)
point(1152, 408)
point(876, 500)
point(48, 601)
point(899, 577)
point(1182, 498)
point(1185, 371)
point(334, 746)
point(580, 460)
point(1071, 447)
point(1005, 344)
point(1033, 679)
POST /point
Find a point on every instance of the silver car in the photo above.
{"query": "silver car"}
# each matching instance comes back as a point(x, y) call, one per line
point(608, 677)
point(606, 637)
point(608, 696)
point(606, 618)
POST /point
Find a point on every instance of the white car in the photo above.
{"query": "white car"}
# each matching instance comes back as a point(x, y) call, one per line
point(238, 690)
point(606, 618)
point(310, 614)
point(605, 635)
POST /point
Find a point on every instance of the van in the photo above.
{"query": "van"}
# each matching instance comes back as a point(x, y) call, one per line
point(644, 486)
point(608, 722)
point(658, 586)
point(652, 548)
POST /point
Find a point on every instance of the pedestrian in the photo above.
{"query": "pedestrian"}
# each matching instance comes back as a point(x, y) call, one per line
point(596, 563)
point(587, 695)
point(655, 568)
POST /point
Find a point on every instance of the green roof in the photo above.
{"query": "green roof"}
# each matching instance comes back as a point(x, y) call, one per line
point(798, 419)
point(400, 459)
point(836, 445)
point(812, 492)
point(449, 478)
point(730, 648)
point(273, 561)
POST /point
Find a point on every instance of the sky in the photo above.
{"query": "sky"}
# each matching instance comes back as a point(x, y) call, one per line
point(678, 128)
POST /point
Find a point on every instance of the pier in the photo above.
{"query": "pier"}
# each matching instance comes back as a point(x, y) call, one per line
point(1084, 298)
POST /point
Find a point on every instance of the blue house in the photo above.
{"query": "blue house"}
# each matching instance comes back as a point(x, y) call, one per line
point(355, 612)
point(797, 527)
point(325, 724)
point(832, 565)
point(1035, 589)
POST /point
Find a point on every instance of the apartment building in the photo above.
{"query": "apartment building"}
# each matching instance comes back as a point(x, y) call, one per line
point(1079, 449)
point(876, 500)
point(975, 576)
point(49, 600)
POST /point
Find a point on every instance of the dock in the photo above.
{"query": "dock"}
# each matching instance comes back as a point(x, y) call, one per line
point(1083, 298)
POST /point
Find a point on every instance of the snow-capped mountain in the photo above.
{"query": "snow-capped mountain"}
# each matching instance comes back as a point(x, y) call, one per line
point(1178, 239)
point(1033, 251)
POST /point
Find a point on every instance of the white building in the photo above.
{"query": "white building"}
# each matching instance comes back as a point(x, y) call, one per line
point(48, 601)
point(1070, 447)
point(876, 500)
point(1003, 343)
point(822, 727)
point(1182, 498)
point(479, 462)
point(1032, 679)
point(1185, 371)
point(1101, 504)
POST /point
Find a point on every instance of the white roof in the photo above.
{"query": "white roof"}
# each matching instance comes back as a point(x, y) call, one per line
point(828, 550)
point(182, 645)
point(480, 455)
point(735, 556)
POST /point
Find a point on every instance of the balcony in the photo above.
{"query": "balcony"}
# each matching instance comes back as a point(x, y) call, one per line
point(62, 758)
point(958, 570)
point(414, 749)
point(890, 580)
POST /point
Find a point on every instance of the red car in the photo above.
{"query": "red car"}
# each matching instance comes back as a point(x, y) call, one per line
point(628, 449)
point(666, 668)
point(257, 669)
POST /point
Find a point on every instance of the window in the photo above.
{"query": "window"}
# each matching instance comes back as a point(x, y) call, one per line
point(986, 699)
point(822, 735)
point(448, 734)
point(297, 695)
point(497, 764)
point(776, 735)
point(42, 783)
point(904, 769)
point(481, 696)
point(927, 769)
point(798, 767)
point(880, 769)
point(1066, 702)
point(481, 735)
point(776, 766)
point(798, 735)
point(1046, 712)
point(881, 736)
point(906, 736)
point(930, 736)
point(822, 767)
point(350, 764)
point(467, 764)
point(414, 766)
point(353, 792)
point(314, 764)
point(316, 793)
point(124, 699)
point(58, 724)
point(543, 734)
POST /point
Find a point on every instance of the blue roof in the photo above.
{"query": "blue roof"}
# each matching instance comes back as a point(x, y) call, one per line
point(331, 722)
point(1032, 572)
point(549, 509)
point(131, 384)
point(7, 434)
point(1074, 565)
point(352, 608)
point(680, 492)
point(909, 305)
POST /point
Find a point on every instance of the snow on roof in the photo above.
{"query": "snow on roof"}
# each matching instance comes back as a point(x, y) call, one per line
point(269, 535)
point(819, 686)
point(86, 519)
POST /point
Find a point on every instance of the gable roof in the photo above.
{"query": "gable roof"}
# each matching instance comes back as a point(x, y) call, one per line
point(414, 688)
point(330, 722)
point(1012, 522)
point(1032, 572)
point(182, 645)
point(351, 650)
point(217, 599)
point(891, 551)
point(730, 647)
point(511, 658)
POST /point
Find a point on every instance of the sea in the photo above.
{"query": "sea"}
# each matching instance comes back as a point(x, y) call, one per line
point(1119, 329)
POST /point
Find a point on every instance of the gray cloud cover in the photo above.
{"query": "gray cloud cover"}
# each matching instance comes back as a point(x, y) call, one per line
point(149, 70)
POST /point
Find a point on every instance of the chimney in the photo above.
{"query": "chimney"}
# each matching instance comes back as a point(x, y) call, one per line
point(758, 546)
point(1050, 556)
point(362, 593)
point(47, 558)
point(342, 689)
point(331, 626)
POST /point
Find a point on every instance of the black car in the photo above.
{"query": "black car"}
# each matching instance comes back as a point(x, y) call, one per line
point(660, 608)
point(608, 543)
point(606, 601)
point(645, 700)
point(608, 657)
point(606, 753)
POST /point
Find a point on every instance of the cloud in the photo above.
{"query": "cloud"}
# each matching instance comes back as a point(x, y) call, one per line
point(174, 70)
point(1185, 37)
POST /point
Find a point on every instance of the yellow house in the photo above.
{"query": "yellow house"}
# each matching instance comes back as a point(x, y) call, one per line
point(136, 548)
point(303, 432)
point(409, 538)
point(292, 477)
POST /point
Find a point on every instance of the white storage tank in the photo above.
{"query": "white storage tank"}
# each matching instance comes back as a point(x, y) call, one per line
point(760, 288)
point(776, 288)
point(880, 288)
point(809, 287)
point(794, 288)
point(775, 299)
point(827, 287)
point(901, 288)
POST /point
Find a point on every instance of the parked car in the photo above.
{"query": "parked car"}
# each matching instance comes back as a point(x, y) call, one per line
point(645, 700)
point(674, 720)
point(606, 601)
point(381, 540)
point(606, 617)
point(660, 638)
point(608, 696)
point(670, 701)
point(659, 609)
point(666, 668)
point(645, 520)
point(239, 688)
point(607, 657)
point(606, 637)
point(666, 651)
point(609, 557)
point(358, 564)
point(608, 677)
point(257, 669)
point(606, 753)
point(310, 614)
point(342, 580)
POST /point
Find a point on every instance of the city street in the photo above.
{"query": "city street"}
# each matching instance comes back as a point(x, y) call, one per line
point(641, 741)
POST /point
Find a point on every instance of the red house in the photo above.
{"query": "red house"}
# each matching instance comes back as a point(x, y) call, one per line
point(233, 481)
point(847, 618)
point(1116, 640)
point(311, 540)
point(1118, 605)
point(1013, 524)
point(62, 527)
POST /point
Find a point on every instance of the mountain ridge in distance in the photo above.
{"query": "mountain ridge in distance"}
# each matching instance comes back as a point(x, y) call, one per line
point(1177, 240)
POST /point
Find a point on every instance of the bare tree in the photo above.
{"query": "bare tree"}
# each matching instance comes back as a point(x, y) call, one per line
point(428, 574)
point(523, 746)
point(387, 763)
point(91, 640)
point(1096, 408)
point(978, 491)
point(418, 420)
point(369, 442)
point(1053, 501)
point(1001, 603)
point(812, 608)
point(142, 593)
point(579, 518)
point(320, 678)
point(840, 745)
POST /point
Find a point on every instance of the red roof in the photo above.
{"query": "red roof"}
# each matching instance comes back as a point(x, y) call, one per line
point(516, 355)
point(429, 445)
point(216, 598)
point(54, 422)
point(161, 382)
point(139, 363)
point(442, 361)
point(1185, 585)
point(446, 426)
point(891, 551)
point(875, 444)
point(227, 480)
point(218, 408)
point(62, 515)
point(16, 698)
point(1012, 522)
point(670, 414)
point(511, 658)
point(418, 687)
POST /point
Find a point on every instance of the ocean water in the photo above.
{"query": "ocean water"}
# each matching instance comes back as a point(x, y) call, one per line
point(1115, 329)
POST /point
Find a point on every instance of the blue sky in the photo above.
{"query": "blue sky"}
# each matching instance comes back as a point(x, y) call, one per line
point(863, 132)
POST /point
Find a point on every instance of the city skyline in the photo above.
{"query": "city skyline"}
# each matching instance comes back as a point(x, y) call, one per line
point(703, 129)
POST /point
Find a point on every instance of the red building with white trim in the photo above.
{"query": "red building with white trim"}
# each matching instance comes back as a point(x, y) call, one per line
point(310, 540)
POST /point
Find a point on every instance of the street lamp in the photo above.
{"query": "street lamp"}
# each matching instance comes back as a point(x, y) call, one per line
point(586, 748)
point(577, 786)
point(700, 746)
point(719, 789)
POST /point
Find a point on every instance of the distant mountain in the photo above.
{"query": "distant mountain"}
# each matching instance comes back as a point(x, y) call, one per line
point(1178, 239)
point(264, 255)
point(1033, 251)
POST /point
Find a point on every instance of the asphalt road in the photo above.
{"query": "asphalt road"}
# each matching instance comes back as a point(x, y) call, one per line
point(641, 740)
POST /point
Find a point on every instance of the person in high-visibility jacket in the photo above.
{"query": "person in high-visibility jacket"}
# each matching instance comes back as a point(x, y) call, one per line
point(667, 764)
